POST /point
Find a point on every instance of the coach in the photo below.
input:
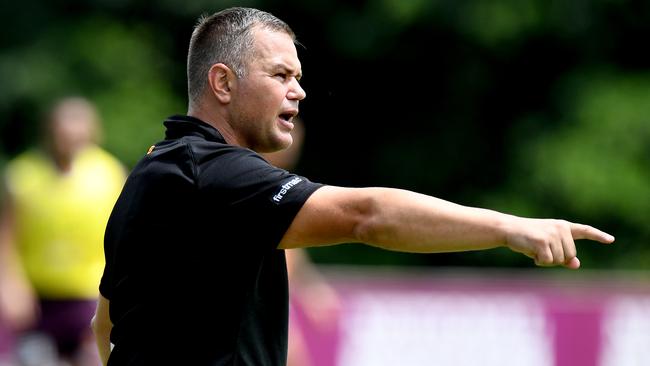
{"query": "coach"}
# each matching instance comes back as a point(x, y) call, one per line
point(195, 272)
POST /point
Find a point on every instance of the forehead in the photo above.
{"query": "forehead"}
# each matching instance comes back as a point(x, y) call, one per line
point(72, 112)
point(274, 48)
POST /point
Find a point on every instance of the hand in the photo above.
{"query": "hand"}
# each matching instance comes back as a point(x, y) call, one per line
point(551, 242)
point(321, 305)
point(18, 304)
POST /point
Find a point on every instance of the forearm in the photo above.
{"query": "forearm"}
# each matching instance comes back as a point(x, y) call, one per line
point(101, 326)
point(103, 346)
point(406, 221)
point(7, 250)
point(18, 305)
point(410, 222)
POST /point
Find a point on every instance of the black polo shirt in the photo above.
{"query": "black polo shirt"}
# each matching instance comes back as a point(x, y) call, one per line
point(193, 273)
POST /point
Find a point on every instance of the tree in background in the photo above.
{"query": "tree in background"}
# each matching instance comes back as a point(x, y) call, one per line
point(517, 96)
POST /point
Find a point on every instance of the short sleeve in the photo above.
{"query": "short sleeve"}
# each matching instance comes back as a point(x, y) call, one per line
point(104, 283)
point(260, 200)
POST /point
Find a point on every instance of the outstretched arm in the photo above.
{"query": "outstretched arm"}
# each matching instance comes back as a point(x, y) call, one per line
point(410, 222)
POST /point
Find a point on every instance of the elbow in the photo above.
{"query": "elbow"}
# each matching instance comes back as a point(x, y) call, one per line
point(94, 325)
point(99, 327)
point(366, 228)
point(362, 233)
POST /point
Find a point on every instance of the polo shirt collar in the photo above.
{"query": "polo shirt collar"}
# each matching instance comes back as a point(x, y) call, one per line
point(181, 125)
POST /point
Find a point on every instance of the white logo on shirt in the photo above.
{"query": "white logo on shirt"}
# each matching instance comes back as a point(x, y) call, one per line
point(285, 188)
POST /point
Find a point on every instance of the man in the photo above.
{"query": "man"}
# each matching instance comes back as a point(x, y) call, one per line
point(52, 223)
point(195, 272)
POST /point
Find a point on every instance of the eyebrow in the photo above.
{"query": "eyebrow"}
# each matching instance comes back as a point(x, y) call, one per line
point(288, 69)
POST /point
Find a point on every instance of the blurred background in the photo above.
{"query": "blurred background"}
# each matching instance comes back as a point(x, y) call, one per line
point(533, 107)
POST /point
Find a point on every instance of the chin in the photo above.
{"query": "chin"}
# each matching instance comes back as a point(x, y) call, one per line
point(283, 142)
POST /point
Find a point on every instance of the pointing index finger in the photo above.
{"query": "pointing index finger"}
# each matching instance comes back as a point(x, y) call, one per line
point(580, 231)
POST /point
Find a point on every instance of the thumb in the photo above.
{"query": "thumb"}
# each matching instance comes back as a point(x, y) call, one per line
point(573, 263)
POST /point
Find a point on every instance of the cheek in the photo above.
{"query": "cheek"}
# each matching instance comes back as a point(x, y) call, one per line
point(261, 102)
point(269, 94)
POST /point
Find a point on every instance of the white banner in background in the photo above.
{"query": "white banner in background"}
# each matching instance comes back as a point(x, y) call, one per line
point(398, 328)
point(626, 332)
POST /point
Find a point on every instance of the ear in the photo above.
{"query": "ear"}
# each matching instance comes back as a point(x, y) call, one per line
point(220, 78)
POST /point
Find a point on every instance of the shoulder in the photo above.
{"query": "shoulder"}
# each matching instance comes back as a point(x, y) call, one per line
point(97, 170)
point(28, 164)
point(27, 170)
point(97, 157)
point(178, 159)
point(100, 155)
point(215, 158)
point(32, 157)
point(230, 162)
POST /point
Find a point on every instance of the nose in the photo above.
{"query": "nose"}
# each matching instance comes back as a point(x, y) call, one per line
point(296, 92)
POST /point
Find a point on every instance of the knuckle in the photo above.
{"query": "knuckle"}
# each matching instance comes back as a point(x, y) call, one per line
point(543, 258)
point(562, 226)
point(558, 255)
point(566, 226)
point(590, 229)
point(569, 256)
point(570, 253)
point(541, 241)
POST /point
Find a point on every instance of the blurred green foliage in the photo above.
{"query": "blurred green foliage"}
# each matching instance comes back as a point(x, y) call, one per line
point(114, 65)
point(535, 107)
point(593, 164)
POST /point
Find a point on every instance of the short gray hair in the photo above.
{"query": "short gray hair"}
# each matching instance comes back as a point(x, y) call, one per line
point(225, 37)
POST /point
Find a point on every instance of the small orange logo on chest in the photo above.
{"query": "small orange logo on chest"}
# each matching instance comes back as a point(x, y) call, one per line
point(151, 149)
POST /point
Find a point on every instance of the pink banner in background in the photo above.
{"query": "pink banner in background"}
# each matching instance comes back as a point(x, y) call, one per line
point(485, 318)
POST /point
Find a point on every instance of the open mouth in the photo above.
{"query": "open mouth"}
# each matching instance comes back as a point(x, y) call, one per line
point(286, 116)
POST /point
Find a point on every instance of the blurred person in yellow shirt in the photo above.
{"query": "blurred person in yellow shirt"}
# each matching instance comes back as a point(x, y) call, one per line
point(57, 201)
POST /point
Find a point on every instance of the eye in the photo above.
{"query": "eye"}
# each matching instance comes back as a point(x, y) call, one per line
point(281, 75)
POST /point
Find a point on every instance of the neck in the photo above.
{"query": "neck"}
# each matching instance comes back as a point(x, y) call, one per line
point(63, 162)
point(216, 120)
